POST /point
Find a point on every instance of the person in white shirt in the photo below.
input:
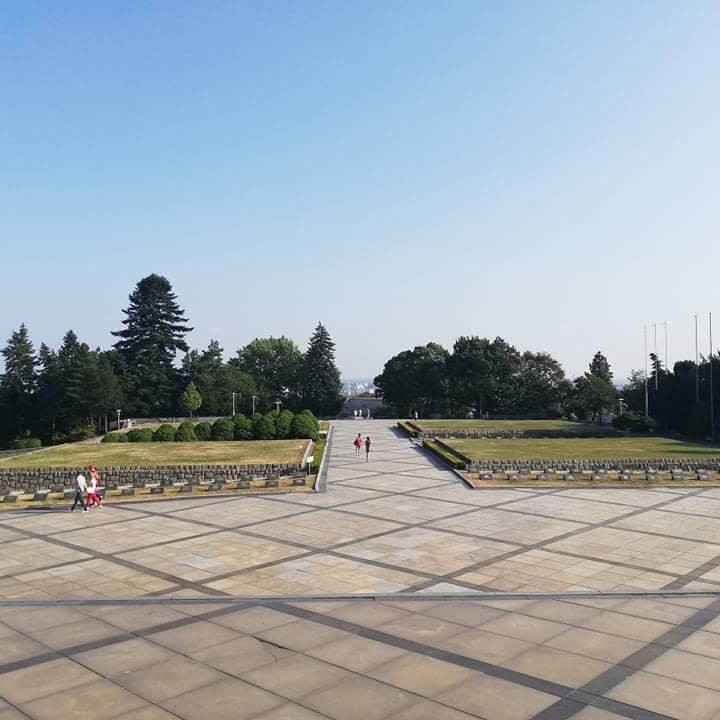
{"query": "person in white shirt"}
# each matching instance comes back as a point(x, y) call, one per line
point(80, 488)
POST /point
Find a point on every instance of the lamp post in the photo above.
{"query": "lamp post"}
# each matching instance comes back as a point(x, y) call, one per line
point(254, 398)
point(278, 403)
point(118, 420)
point(233, 403)
point(621, 403)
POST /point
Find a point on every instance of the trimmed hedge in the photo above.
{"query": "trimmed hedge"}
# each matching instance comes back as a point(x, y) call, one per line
point(283, 424)
point(112, 437)
point(264, 427)
point(203, 431)
point(165, 433)
point(304, 426)
point(140, 435)
point(223, 429)
point(443, 454)
point(243, 427)
point(185, 433)
point(27, 443)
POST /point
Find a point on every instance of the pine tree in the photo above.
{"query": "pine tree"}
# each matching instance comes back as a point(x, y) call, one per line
point(49, 392)
point(19, 382)
point(191, 399)
point(600, 367)
point(155, 329)
point(321, 385)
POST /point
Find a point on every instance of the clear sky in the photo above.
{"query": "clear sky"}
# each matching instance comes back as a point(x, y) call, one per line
point(404, 171)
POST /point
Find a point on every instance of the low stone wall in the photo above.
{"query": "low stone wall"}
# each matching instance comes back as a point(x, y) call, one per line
point(526, 467)
point(114, 477)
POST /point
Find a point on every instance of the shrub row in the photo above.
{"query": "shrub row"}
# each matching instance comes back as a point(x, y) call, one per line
point(271, 426)
point(27, 443)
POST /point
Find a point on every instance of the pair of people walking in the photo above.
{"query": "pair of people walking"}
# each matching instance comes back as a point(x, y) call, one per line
point(358, 443)
point(82, 486)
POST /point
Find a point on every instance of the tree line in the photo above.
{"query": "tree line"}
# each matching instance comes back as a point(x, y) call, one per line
point(492, 377)
point(678, 401)
point(72, 392)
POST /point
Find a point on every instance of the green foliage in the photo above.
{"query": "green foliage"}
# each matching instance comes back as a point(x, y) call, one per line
point(203, 431)
point(27, 443)
point(123, 438)
point(283, 423)
point(304, 427)
point(264, 427)
point(191, 399)
point(165, 433)
point(275, 366)
point(155, 329)
point(82, 432)
point(444, 454)
point(321, 386)
point(243, 427)
point(216, 381)
point(112, 437)
point(223, 429)
point(185, 433)
point(140, 435)
point(416, 380)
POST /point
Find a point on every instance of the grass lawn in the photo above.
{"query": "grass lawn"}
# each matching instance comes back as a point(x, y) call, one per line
point(191, 453)
point(502, 425)
point(580, 448)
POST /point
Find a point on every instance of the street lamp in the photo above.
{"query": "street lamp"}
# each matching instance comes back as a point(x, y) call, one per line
point(233, 402)
point(254, 398)
point(621, 403)
point(278, 403)
point(118, 414)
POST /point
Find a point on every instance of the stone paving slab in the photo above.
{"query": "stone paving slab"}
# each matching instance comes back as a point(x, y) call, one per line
point(399, 523)
point(292, 658)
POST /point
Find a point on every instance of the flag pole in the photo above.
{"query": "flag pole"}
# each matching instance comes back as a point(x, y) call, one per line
point(697, 363)
point(647, 404)
point(712, 400)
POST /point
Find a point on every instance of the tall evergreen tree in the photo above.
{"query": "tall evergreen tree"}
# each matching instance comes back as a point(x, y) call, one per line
point(321, 385)
point(155, 329)
point(49, 393)
point(600, 367)
point(18, 384)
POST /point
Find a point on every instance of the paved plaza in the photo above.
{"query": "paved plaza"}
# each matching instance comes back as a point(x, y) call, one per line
point(209, 607)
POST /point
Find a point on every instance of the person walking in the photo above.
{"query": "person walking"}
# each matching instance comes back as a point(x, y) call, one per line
point(93, 497)
point(80, 488)
point(358, 444)
point(367, 449)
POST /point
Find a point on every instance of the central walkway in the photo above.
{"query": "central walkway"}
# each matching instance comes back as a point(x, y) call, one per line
point(203, 608)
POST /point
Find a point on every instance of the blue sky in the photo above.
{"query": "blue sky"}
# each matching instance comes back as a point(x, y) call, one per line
point(402, 171)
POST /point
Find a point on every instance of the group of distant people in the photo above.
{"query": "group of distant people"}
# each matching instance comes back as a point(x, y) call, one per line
point(90, 487)
point(358, 443)
point(363, 414)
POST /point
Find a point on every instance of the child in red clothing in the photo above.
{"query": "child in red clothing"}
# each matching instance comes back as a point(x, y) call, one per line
point(93, 498)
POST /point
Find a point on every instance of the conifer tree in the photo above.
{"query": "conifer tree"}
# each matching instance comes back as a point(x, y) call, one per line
point(18, 383)
point(321, 385)
point(155, 329)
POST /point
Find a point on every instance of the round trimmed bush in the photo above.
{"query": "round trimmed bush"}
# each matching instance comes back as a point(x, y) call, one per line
point(243, 427)
point(223, 429)
point(283, 423)
point(264, 427)
point(165, 433)
point(313, 419)
point(123, 437)
point(185, 433)
point(304, 427)
point(113, 437)
point(203, 431)
point(140, 435)
point(27, 443)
